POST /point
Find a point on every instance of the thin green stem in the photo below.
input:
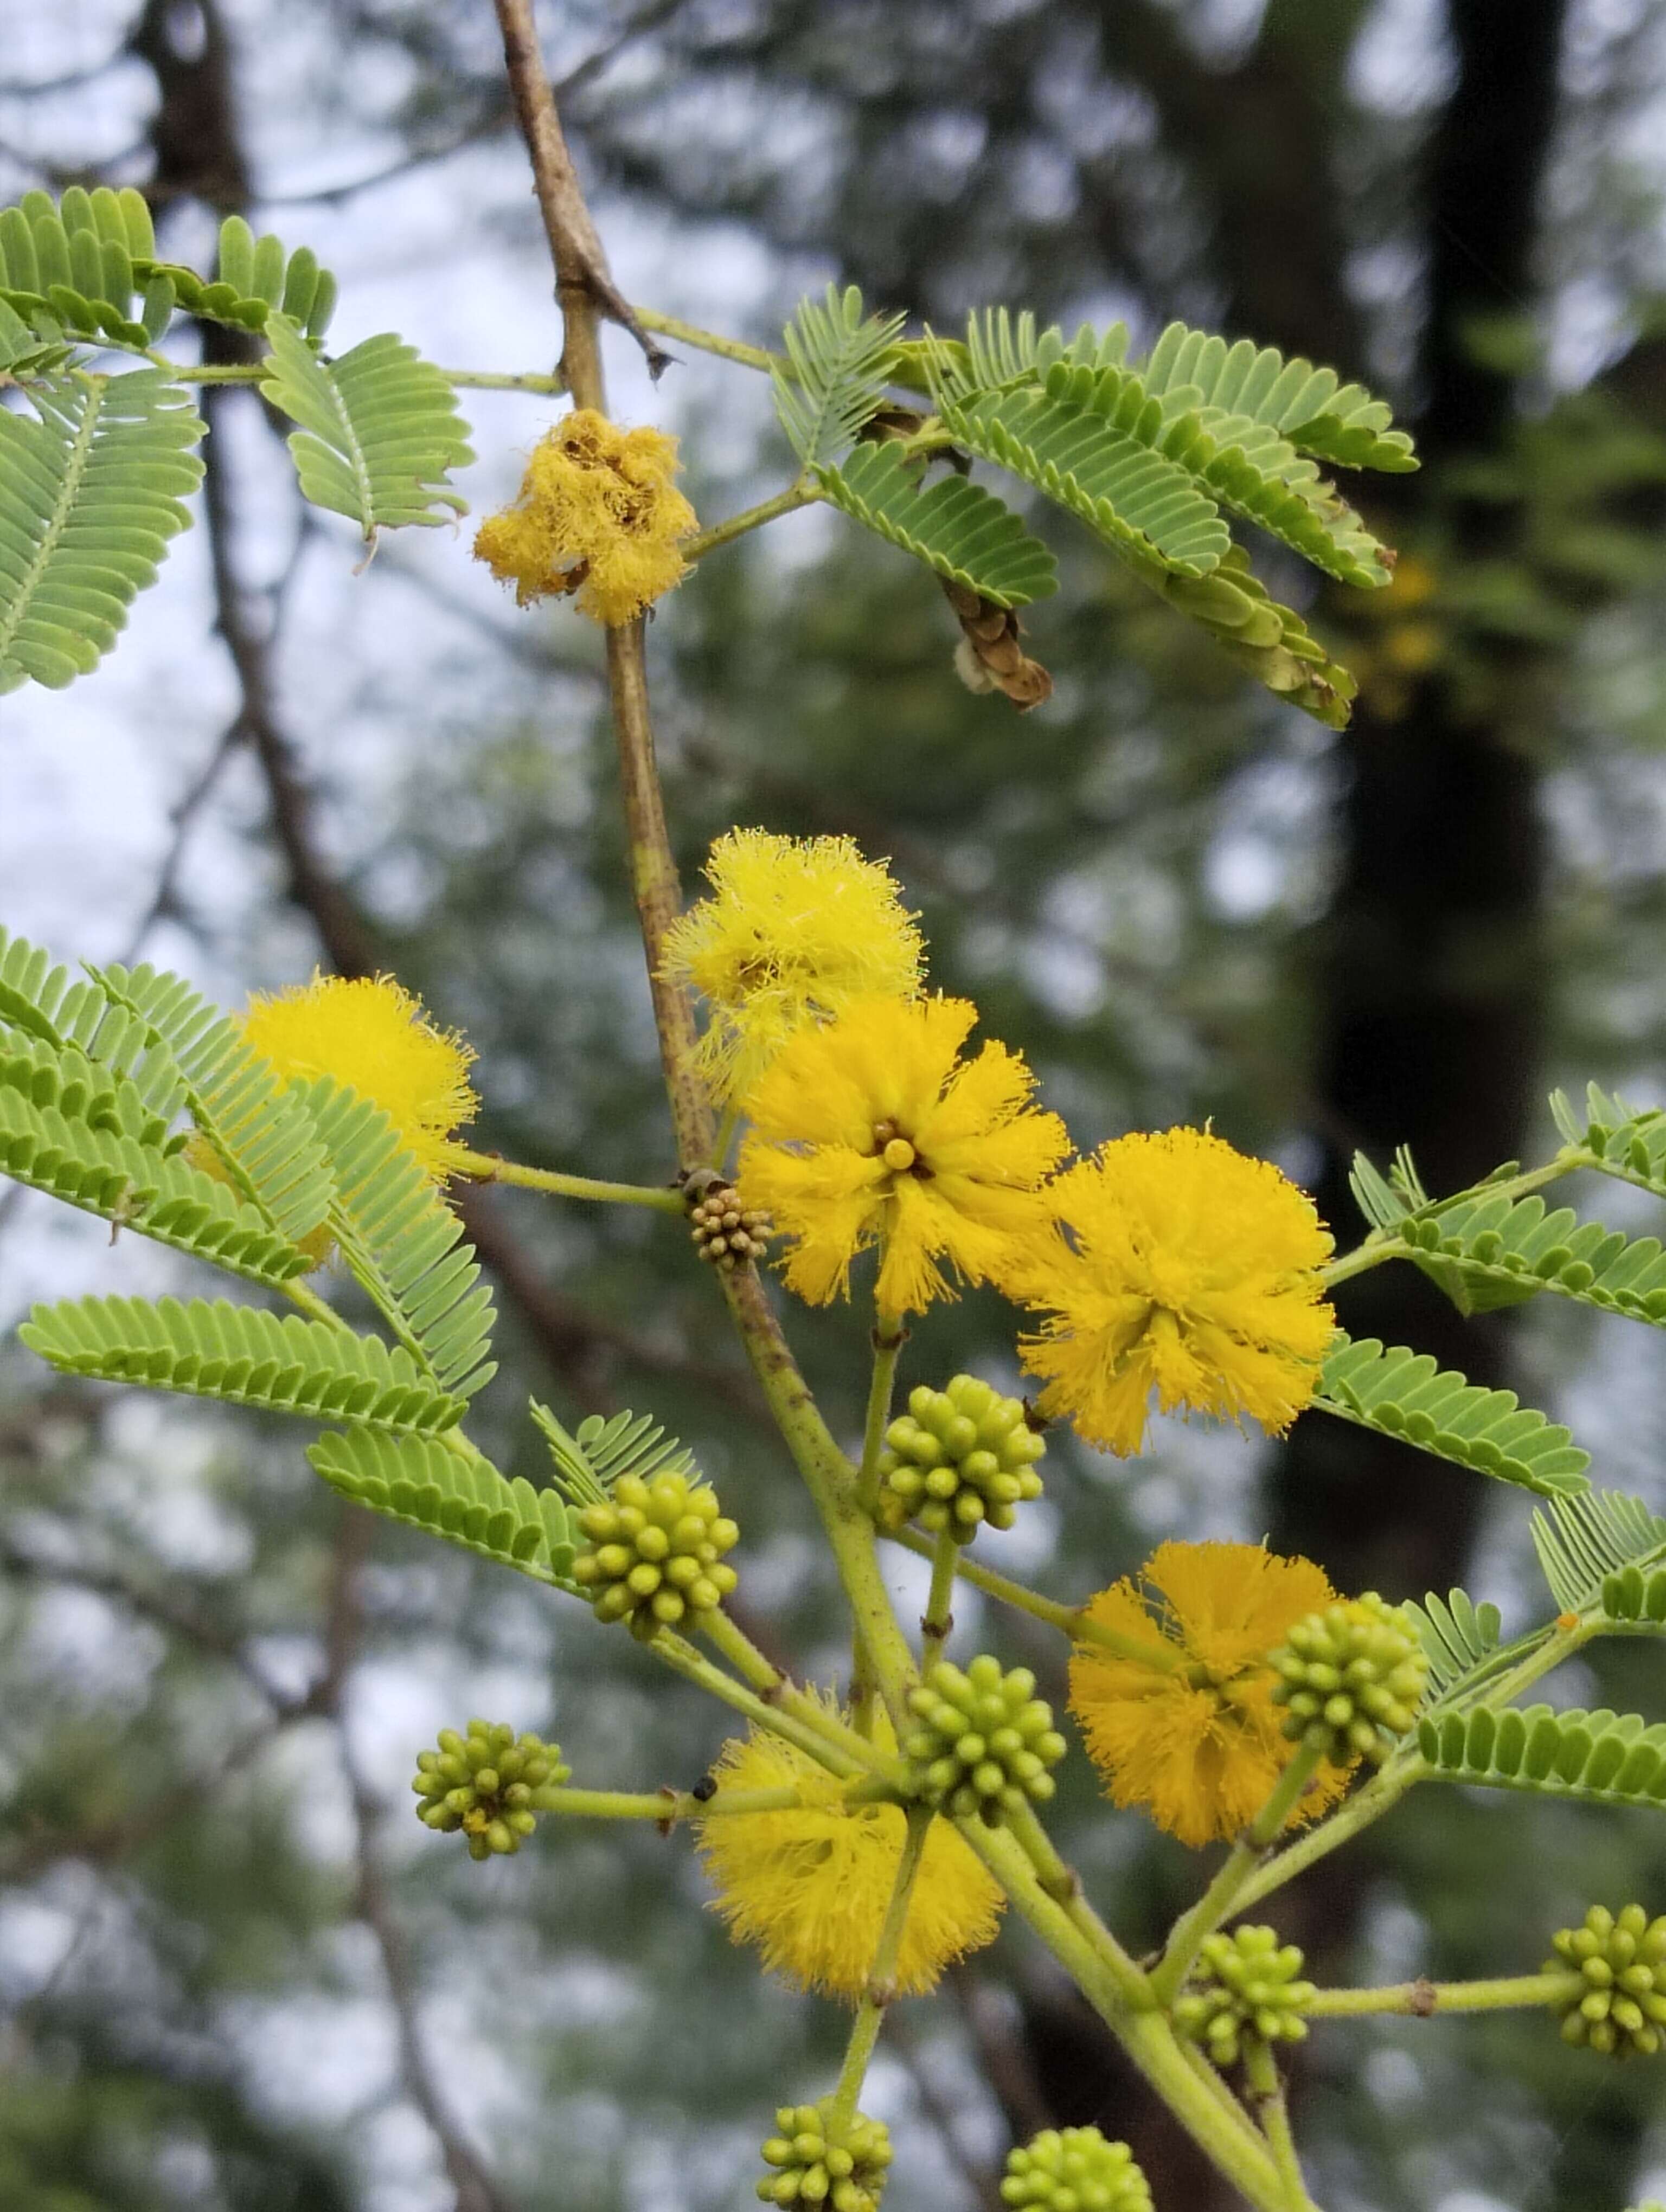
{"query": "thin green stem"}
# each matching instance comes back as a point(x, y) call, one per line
point(1071, 1620)
point(1422, 2000)
point(937, 1618)
point(752, 1665)
point(315, 1308)
point(1224, 1893)
point(693, 1667)
point(801, 494)
point(725, 1129)
point(690, 334)
point(668, 1806)
point(785, 1695)
point(470, 380)
point(1355, 1814)
point(881, 1988)
point(1386, 1245)
point(487, 1167)
point(1056, 1877)
point(1119, 1993)
point(1266, 2096)
point(888, 1341)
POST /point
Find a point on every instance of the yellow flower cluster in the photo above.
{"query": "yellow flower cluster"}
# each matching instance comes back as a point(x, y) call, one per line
point(375, 1037)
point(1191, 1731)
point(597, 514)
point(809, 1885)
point(794, 930)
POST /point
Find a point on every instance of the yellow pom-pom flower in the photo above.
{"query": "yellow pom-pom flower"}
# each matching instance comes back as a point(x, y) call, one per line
point(1193, 1733)
point(873, 1130)
point(809, 1886)
point(1190, 1272)
point(375, 1038)
point(795, 928)
point(597, 514)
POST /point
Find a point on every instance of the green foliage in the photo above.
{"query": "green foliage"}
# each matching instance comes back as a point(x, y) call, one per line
point(402, 1243)
point(1626, 1142)
point(243, 1355)
point(953, 525)
point(1460, 1639)
point(1584, 1541)
point(79, 261)
point(1404, 1394)
point(35, 347)
point(1311, 407)
point(1490, 1249)
point(1065, 439)
point(1599, 1758)
point(90, 489)
point(1629, 1594)
point(454, 1494)
point(43, 1000)
point(840, 360)
point(380, 429)
point(606, 1448)
point(253, 277)
point(261, 1133)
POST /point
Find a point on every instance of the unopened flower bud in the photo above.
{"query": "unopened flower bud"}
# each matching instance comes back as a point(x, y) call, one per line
point(1352, 1678)
point(1620, 1959)
point(985, 1743)
point(653, 1554)
point(1245, 1983)
point(815, 2163)
point(1074, 2170)
point(488, 1782)
point(958, 1457)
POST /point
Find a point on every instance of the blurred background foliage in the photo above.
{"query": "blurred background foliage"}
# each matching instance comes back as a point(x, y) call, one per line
point(234, 1972)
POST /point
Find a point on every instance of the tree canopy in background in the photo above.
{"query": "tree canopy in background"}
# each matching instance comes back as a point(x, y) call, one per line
point(236, 1973)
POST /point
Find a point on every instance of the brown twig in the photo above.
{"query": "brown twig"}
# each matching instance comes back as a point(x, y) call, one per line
point(577, 254)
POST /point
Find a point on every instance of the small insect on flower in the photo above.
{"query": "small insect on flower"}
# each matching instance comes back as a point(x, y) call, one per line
point(873, 1130)
point(809, 1885)
point(375, 1038)
point(1191, 1731)
point(596, 515)
point(1189, 1273)
point(794, 929)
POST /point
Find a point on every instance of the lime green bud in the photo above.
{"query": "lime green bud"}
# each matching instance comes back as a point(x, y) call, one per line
point(985, 1740)
point(1075, 2170)
point(815, 2163)
point(489, 1782)
point(1245, 1984)
point(1352, 1677)
point(653, 1554)
point(1621, 1959)
point(958, 1457)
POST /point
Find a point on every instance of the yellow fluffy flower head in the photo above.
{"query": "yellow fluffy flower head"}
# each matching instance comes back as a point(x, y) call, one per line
point(809, 1886)
point(375, 1037)
point(795, 928)
point(597, 514)
point(1190, 1272)
point(873, 1130)
point(1193, 1733)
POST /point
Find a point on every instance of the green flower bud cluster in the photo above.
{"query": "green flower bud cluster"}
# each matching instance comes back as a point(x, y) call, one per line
point(956, 1458)
point(655, 1552)
point(985, 1741)
point(1353, 1678)
point(849, 2174)
point(1246, 1983)
point(1621, 1959)
point(490, 1783)
point(1075, 2170)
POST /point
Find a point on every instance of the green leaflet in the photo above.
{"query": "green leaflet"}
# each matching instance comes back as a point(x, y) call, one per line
point(262, 1132)
point(1404, 1394)
point(840, 360)
point(1460, 1639)
point(1268, 642)
point(253, 277)
point(955, 527)
point(1491, 1250)
point(1631, 1594)
point(90, 491)
point(1311, 407)
point(455, 1495)
point(606, 1449)
point(1600, 1757)
point(1582, 1542)
point(380, 430)
point(77, 261)
point(243, 1355)
point(1063, 441)
point(401, 1241)
point(1626, 1142)
point(42, 1000)
point(32, 345)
